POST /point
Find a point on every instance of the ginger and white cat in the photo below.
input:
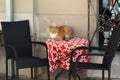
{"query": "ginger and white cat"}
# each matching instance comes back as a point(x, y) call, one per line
point(63, 32)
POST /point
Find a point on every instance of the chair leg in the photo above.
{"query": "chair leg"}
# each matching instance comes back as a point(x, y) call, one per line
point(109, 74)
point(58, 75)
point(48, 72)
point(13, 70)
point(31, 73)
point(73, 71)
point(6, 69)
point(78, 77)
point(103, 75)
point(74, 75)
point(69, 76)
point(17, 74)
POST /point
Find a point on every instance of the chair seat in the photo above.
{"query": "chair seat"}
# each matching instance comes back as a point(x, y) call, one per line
point(95, 66)
point(26, 62)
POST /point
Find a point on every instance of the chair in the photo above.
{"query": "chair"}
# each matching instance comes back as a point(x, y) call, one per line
point(109, 53)
point(18, 47)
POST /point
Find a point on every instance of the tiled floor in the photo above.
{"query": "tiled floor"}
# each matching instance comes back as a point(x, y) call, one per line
point(97, 79)
point(3, 78)
point(84, 79)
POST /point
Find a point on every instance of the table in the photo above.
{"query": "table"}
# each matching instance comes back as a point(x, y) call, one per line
point(59, 52)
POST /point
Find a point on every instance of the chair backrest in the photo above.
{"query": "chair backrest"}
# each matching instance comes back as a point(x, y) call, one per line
point(112, 46)
point(17, 34)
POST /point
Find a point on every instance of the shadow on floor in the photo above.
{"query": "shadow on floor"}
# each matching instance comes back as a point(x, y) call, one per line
point(2, 77)
point(99, 79)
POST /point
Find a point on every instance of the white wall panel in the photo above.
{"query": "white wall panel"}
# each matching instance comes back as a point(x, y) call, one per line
point(62, 6)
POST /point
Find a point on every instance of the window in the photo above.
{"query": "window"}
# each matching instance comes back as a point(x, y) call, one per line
point(109, 16)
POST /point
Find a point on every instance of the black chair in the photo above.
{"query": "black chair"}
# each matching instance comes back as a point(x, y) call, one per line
point(108, 55)
point(18, 47)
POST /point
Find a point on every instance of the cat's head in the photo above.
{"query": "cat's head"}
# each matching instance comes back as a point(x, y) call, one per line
point(53, 29)
point(53, 32)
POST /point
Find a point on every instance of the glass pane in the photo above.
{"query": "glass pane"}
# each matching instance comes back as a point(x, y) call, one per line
point(109, 18)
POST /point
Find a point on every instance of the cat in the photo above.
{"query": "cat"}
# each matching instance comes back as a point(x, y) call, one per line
point(62, 32)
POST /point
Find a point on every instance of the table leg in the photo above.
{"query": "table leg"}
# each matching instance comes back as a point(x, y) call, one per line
point(78, 77)
point(59, 74)
point(74, 76)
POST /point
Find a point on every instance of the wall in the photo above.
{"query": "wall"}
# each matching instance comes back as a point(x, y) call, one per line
point(2, 17)
point(2, 10)
point(24, 10)
point(60, 12)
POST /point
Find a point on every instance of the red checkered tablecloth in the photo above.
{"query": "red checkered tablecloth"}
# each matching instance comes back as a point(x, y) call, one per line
point(59, 52)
